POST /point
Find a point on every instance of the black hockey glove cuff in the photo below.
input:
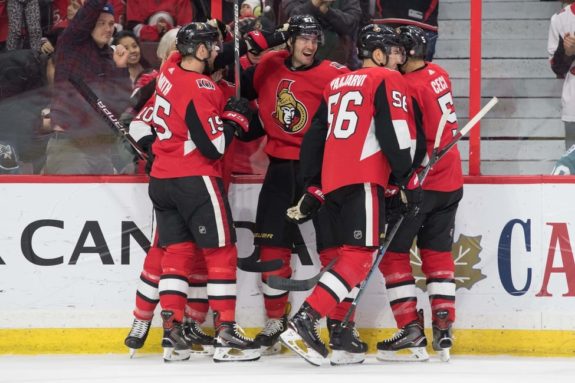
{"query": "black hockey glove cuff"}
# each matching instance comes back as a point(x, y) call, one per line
point(258, 41)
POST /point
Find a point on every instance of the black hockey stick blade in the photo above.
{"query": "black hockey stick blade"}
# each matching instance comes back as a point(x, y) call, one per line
point(106, 113)
point(279, 283)
point(252, 264)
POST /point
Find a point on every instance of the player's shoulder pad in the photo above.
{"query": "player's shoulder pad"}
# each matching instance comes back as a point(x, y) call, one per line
point(274, 56)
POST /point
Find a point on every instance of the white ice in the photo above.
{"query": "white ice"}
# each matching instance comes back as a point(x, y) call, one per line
point(280, 369)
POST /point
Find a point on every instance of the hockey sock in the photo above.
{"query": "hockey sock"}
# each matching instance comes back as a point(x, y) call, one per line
point(275, 300)
point(197, 307)
point(400, 286)
point(176, 266)
point(350, 269)
point(439, 270)
point(221, 263)
point(147, 296)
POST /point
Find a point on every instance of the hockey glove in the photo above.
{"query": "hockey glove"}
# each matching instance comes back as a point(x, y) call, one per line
point(411, 196)
point(238, 114)
point(258, 41)
point(307, 205)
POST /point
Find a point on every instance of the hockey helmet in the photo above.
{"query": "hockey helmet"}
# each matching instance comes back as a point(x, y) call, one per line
point(375, 36)
point(414, 41)
point(304, 25)
point(191, 36)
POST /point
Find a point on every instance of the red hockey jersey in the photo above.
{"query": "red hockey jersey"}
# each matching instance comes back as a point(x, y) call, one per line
point(430, 86)
point(368, 129)
point(188, 125)
point(288, 100)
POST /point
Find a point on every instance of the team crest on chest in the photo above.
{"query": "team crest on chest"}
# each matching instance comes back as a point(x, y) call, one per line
point(290, 114)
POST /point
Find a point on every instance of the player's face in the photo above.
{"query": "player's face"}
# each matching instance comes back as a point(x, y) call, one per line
point(395, 58)
point(215, 49)
point(103, 30)
point(304, 50)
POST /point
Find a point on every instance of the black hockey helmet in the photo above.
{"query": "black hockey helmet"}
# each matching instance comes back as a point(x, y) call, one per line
point(376, 36)
point(414, 40)
point(191, 36)
point(304, 25)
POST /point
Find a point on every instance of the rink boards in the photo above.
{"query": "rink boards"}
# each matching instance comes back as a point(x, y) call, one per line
point(73, 247)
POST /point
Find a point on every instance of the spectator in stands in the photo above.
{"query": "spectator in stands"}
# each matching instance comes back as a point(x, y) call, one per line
point(20, 13)
point(421, 13)
point(151, 19)
point(561, 49)
point(81, 141)
point(339, 20)
point(136, 63)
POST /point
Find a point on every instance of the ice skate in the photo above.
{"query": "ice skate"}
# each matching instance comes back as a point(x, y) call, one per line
point(137, 336)
point(442, 336)
point(302, 336)
point(269, 338)
point(174, 343)
point(201, 343)
point(407, 345)
point(232, 345)
point(346, 346)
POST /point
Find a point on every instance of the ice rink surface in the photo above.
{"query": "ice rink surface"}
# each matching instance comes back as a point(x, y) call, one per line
point(280, 369)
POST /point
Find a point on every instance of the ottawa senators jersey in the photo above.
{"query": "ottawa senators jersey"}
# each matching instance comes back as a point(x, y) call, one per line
point(368, 134)
point(190, 133)
point(288, 100)
point(430, 86)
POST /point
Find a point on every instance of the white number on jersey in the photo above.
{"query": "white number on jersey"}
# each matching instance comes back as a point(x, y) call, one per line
point(162, 104)
point(346, 120)
point(446, 105)
point(399, 100)
point(216, 124)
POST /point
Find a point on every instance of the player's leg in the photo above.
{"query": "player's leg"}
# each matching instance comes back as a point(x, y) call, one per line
point(360, 227)
point(273, 240)
point(409, 342)
point(147, 297)
point(179, 250)
point(215, 235)
point(435, 242)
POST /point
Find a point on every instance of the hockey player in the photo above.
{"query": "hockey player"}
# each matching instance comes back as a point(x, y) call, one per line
point(193, 128)
point(430, 87)
point(287, 85)
point(365, 118)
point(147, 296)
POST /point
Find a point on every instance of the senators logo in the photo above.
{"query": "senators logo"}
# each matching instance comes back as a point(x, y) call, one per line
point(289, 113)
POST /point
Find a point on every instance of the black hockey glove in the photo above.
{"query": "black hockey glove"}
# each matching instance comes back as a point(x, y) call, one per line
point(307, 206)
point(146, 145)
point(238, 114)
point(258, 41)
point(404, 199)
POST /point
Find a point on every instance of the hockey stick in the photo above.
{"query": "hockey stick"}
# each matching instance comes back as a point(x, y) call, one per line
point(435, 157)
point(280, 283)
point(237, 48)
point(252, 264)
point(102, 109)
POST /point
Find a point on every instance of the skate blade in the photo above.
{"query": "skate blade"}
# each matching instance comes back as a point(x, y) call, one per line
point(294, 342)
point(414, 354)
point(202, 350)
point(444, 355)
point(173, 355)
point(230, 354)
point(132, 353)
point(274, 349)
point(341, 358)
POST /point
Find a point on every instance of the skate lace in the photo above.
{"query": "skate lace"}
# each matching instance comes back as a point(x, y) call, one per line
point(239, 332)
point(197, 329)
point(273, 326)
point(398, 335)
point(139, 328)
